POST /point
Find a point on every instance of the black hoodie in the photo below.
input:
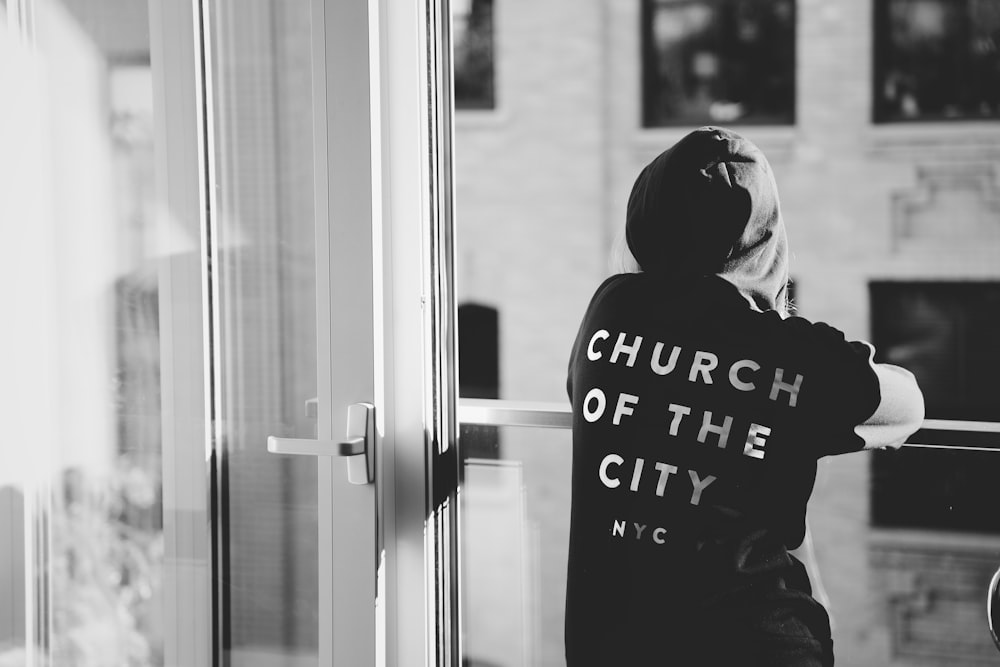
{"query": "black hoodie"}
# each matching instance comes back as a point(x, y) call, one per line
point(699, 413)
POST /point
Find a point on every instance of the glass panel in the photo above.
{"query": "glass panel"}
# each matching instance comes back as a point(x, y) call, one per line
point(936, 60)
point(541, 194)
point(515, 529)
point(266, 282)
point(901, 598)
point(83, 268)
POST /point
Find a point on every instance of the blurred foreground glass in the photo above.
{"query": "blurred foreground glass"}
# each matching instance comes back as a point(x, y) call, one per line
point(265, 281)
point(81, 503)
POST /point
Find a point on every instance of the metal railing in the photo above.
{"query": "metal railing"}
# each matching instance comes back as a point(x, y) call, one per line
point(978, 435)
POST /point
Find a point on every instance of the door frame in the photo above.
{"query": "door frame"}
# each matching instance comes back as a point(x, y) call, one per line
point(419, 589)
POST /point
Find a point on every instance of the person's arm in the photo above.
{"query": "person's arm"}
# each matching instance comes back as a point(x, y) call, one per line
point(900, 410)
point(862, 404)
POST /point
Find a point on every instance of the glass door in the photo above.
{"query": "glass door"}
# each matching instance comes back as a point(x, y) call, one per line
point(326, 331)
point(204, 253)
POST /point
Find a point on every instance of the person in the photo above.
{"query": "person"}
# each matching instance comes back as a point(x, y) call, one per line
point(700, 410)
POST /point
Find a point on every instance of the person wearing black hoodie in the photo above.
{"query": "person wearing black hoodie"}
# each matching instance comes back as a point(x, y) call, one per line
point(700, 410)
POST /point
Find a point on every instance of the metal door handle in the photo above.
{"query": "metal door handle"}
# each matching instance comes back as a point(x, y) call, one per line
point(993, 608)
point(358, 447)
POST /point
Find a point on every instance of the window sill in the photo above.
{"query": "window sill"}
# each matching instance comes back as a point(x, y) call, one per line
point(964, 139)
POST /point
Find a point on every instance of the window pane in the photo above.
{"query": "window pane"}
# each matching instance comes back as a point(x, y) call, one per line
point(718, 61)
point(937, 60)
point(515, 528)
point(266, 281)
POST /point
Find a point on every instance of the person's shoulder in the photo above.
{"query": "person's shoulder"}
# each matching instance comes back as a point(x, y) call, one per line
point(621, 286)
point(819, 337)
point(617, 281)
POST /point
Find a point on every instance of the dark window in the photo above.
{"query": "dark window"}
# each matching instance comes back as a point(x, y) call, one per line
point(936, 60)
point(472, 22)
point(479, 373)
point(946, 334)
point(718, 61)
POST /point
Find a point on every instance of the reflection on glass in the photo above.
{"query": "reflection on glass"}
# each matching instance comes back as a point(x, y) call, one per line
point(266, 282)
point(81, 471)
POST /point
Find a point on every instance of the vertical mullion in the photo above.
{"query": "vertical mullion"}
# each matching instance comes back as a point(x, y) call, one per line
point(404, 461)
point(345, 216)
point(444, 463)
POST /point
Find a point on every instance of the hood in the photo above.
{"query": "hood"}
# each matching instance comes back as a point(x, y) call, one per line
point(709, 206)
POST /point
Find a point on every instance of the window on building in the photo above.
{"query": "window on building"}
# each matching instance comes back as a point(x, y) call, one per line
point(718, 61)
point(479, 373)
point(472, 22)
point(946, 334)
point(937, 60)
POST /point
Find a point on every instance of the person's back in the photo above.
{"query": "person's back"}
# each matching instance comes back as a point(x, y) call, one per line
point(699, 414)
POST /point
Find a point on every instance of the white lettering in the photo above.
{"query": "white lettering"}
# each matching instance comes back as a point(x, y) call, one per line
point(657, 533)
point(618, 529)
point(679, 412)
point(631, 350)
point(699, 485)
point(704, 364)
point(779, 386)
point(638, 530)
point(594, 415)
point(708, 427)
point(734, 374)
point(625, 405)
point(592, 353)
point(609, 460)
point(665, 471)
point(755, 441)
point(654, 362)
point(636, 474)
